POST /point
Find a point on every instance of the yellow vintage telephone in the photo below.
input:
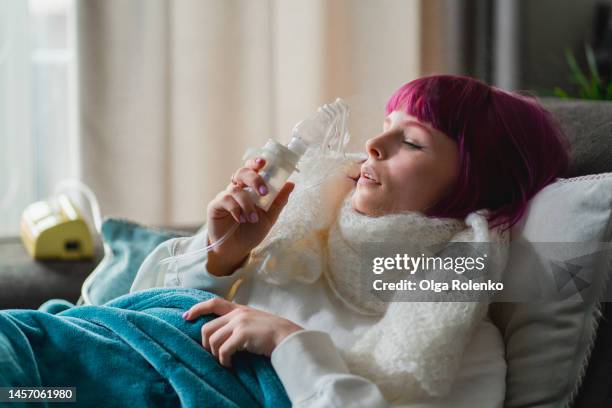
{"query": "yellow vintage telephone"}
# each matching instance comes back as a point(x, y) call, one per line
point(56, 229)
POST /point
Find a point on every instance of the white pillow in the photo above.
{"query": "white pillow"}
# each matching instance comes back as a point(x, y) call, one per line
point(548, 343)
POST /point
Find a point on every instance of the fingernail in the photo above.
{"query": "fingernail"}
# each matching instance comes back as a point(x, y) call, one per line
point(242, 219)
point(185, 314)
point(253, 217)
point(258, 160)
point(263, 190)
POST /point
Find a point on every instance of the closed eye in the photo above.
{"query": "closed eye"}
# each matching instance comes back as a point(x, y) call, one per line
point(412, 145)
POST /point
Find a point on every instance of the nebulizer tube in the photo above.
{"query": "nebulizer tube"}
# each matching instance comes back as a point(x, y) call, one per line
point(326, 129)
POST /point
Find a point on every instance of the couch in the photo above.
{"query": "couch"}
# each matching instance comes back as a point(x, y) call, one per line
point(588, 126)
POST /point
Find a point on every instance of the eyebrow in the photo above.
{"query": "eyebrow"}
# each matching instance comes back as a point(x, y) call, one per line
point(415, 123)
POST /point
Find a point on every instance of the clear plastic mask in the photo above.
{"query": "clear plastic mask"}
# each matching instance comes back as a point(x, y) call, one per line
point(325, 132)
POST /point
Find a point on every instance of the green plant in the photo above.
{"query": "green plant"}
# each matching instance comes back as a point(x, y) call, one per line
point(590, 85)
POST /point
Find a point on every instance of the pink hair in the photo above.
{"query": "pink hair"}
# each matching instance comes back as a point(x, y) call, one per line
point(510, 147)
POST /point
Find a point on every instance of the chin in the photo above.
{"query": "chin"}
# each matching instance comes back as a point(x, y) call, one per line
point(358, 205)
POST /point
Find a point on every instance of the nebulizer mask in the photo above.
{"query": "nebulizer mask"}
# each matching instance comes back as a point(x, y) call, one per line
point(324, 133)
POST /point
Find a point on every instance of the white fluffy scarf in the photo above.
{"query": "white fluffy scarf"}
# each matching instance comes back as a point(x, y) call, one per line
point(416, 347)
point(353, 233)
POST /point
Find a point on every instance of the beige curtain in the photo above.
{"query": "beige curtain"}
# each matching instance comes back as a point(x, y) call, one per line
point(173, 92)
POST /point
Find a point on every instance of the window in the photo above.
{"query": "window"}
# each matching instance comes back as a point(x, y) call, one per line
point(38, 114)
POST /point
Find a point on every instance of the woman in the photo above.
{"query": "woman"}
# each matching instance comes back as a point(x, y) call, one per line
point(457, 160)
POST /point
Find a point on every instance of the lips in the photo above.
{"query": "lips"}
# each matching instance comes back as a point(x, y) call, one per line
point(369, 174)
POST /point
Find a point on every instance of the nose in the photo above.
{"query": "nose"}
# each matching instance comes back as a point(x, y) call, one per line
point(375, 148)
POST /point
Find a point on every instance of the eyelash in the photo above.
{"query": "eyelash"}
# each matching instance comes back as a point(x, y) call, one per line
point(412, 145)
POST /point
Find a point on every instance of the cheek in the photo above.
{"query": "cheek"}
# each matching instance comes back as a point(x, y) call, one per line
point(408, 174)
point(438, 169)
point(448, 171)
point(422, 178)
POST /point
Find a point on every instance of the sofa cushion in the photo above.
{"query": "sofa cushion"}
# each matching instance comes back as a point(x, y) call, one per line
point(588, 128)
point(126, 246)
point(548, 340)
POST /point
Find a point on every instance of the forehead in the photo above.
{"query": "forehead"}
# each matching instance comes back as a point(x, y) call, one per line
point(396, 117)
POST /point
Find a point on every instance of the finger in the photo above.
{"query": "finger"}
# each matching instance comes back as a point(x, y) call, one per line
point(281, 200)
point(229, 204)
point(255, 163)
point(230, 346)
point(246, 204)
point(218, 338)
point(224, 205)
point(216, 305)
point(252, 179)
point(220, 207)
point(212, 326)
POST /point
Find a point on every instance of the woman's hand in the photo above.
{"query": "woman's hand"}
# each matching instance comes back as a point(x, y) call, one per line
point(234, 205)
point(239, 327)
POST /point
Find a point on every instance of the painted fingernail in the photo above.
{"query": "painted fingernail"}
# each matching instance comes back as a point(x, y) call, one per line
point(242, 219)
point(253, 217)
point(263, 190)
point(185, 315)
point(258, 160)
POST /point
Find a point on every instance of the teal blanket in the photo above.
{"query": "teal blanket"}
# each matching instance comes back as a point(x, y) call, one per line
point(134, 351)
